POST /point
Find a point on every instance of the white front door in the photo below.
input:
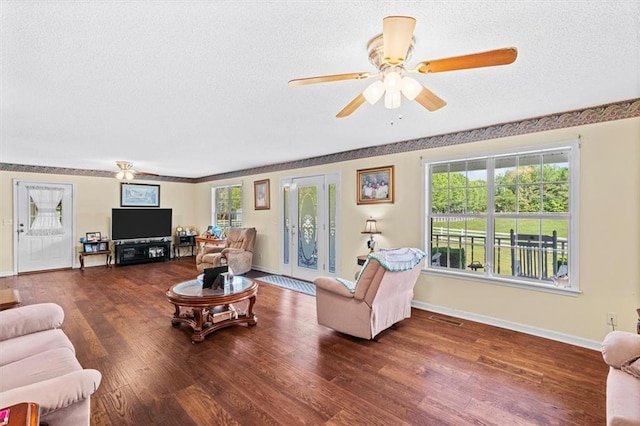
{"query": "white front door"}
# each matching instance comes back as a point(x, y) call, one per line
point(44, 225)
point(309, 206)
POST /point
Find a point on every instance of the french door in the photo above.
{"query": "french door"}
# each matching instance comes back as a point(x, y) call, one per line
point(309, 226)
point(44, 216)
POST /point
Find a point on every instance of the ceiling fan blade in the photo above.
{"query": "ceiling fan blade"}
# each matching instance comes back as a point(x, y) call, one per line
point(328, 78)
point(430, 100)
point(397, 32)
point(476, 60)
point(351, 106)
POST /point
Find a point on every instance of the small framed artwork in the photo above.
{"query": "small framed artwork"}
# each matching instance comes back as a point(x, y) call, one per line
point(139, 195)
point(103, 247)
point(88, 248)
point(375, 185)
point(261, 194)
point(93, 237)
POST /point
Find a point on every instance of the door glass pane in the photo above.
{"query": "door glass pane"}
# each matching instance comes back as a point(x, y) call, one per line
point(286, 225)
point(307, 227)
point(332, 227)
point(45, 211)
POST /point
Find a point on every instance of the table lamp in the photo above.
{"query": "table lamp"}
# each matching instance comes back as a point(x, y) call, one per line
point(370, 227)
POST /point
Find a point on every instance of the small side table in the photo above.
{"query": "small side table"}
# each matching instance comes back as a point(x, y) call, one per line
point(23, 414)
point(183, 241)
point(9, 298)
point(95, 249)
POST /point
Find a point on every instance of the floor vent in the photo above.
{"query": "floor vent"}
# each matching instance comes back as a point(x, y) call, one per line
point(445, 320)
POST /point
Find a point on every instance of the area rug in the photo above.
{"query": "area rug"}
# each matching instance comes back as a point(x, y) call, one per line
point(290, 284)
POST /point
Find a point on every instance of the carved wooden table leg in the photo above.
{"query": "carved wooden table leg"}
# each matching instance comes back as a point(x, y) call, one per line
point(176, 314)
point(197, 336)
point(253, 320)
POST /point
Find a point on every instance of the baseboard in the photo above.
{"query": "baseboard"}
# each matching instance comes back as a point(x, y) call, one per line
point(521, 328)
point(263, 269)
point(6, 274)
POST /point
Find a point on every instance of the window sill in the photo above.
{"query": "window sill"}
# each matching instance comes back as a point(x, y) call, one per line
point(525, 285)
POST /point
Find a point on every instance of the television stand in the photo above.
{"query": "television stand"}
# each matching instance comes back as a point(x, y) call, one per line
point(132, 253)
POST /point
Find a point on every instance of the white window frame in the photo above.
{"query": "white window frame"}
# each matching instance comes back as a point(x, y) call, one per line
point(228, 187)
point(573, 288)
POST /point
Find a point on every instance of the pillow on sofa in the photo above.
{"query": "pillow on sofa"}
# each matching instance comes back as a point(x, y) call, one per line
point(632, 367)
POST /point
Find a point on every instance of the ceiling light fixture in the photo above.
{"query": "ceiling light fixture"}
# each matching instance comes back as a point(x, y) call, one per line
point(126, 173)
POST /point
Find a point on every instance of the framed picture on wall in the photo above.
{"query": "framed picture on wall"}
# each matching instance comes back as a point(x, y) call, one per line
point(261, 195)
point(375, 185)
point(139, 195)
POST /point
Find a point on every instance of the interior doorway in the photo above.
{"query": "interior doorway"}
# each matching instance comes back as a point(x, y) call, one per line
point(44, 216)
point(309, 226)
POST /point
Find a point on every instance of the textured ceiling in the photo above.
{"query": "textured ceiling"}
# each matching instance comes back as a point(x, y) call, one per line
point(195, 88)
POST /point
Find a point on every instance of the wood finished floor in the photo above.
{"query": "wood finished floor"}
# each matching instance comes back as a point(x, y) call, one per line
point(289, 370)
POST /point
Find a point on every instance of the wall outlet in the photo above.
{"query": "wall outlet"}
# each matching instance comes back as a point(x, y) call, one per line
point(612, 318)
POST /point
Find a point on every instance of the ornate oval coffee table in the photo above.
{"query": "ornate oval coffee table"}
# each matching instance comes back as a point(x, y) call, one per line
point(207, 310)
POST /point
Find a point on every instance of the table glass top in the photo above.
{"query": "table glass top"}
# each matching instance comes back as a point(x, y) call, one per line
point(194, 288)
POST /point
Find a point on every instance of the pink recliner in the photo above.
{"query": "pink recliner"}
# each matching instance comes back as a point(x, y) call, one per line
point(380, 297)
point(38, 364)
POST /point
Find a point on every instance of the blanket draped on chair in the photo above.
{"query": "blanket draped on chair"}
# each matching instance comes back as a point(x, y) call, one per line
point(397, 260)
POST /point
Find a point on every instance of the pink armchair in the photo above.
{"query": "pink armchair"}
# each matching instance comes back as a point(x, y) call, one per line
point(38, 364)
point(237, 252)
point(380, 297)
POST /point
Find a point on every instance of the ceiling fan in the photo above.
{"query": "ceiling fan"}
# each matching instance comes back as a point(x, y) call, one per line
point(127, 173)
point(388, 53)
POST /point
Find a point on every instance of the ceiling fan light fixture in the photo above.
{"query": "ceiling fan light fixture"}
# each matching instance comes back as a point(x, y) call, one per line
point(410, 88)
point(392, 81)
point(374, 92)
point(392, 99)
point(124, 175)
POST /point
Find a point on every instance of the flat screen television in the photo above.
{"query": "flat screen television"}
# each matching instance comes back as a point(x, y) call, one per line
point(132, 224)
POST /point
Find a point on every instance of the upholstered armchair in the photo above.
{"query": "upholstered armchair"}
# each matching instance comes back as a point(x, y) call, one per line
point(380, 296)
point(237, 252)
point(38, 364)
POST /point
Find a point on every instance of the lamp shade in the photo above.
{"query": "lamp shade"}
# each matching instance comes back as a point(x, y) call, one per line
point(392, 99)
point(374, 92)
point(410, 88)
point(371, 227)
point(124, 175)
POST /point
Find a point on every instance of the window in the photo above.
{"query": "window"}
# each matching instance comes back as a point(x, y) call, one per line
point(507, 217)
point(226, 206)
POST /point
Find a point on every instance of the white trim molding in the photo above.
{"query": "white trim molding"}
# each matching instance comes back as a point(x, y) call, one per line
point(521, 328)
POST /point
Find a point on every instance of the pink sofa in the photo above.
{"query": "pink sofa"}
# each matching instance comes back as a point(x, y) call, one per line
point(379, 298)
point(38, 364)
point(619, 348)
